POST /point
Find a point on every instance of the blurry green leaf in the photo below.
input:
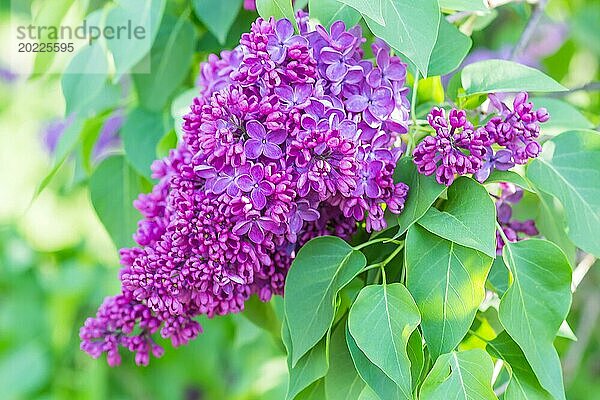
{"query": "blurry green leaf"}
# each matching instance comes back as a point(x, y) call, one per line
point(170, 61)
point(506, 76)
point(128, 50)
point(531, 315)
point(585, 26)
point(430, 92)
point(523, 384)
point(166, 143)
point(563, 116)
point(113, 188)
point(461, 375)
point(464, 5)
point(276, 8)
point(451, 48)
point(569, 169)
point(262, 315)
point(374, 377)
point(181, 106)
point(50, 14)
point(381, 321)
point(342, 380)
point(23, 371)
point(312, 366)
point(373, 9)
point(141, 133)
point(85, 78)
point(447, 282)
point(368, 394)
point(415, 40)
point(217, 15)
point(468, 217)
point(322, 267)
point(329, 11)
point(423, 191)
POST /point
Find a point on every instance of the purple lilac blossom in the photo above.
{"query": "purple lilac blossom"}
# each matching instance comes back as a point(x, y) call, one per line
point(277, 150)
point(511, 194)
point(458, 148)
point(7, 76)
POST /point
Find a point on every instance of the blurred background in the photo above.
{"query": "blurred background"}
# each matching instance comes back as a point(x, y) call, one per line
point(57, 260)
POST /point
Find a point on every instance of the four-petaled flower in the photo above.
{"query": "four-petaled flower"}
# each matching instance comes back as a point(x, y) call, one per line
point(282, 39)
point(375, 104)
point(254, 182)
point(255, 226)
point(261, 142)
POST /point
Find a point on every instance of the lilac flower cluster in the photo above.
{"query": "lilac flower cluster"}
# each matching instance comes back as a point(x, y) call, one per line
point(292, 137)
point(511, 194)
point(458, 148)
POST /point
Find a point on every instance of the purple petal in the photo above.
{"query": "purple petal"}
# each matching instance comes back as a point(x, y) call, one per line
point(245, 182)
point(284, 29)
point(336, 72)
point(330, 56)
point(395, 72)
point(357, 103)
point(256, 234)
point(258, 199)
point(257, 172)
point(242, 227)
point(272, 151)
point(253, 148)
point(255, 130)
point(285, 92)
point(276, 137)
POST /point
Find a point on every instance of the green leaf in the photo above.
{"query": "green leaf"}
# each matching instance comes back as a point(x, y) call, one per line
point(423, 191)
point(381, 321)
point(460, 375)
point(523, 384)
point(447, 282)
point(170, 61)
point(499, 277)
point(127, 50)
point(536, 304)
point(468, 218)
point(329, 11)
point(509, 176)
point(85, 78)
point(551, 222)
point(416, 356)
point(217, 15)
point(368, 394)
point(464, 5)
point(342, 380)
point(276, 8)
point(374, 377)
point(113, 188)
point(316, 391)
point(584, 26)
point(322, 267)
point(49, 14)
point(451, 48)
point(262, 315)
point(312, 366)
point(415, 40)
point(166, 143)
point(181, 106)
point(563, 116)
point(506, 76)
point(373, 9)
point(141, 133)
point(569, 169)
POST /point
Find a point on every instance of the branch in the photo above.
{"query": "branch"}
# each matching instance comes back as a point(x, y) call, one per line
point(536, 15)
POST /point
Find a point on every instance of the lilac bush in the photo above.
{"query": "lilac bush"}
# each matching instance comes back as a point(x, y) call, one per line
point(293, 136)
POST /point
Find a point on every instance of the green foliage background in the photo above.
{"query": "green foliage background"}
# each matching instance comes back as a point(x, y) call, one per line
point(57, 259)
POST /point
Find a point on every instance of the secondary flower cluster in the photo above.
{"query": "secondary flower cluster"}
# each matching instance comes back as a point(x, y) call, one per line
point(511, 194)
point(292, 137)
point(458, 148)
